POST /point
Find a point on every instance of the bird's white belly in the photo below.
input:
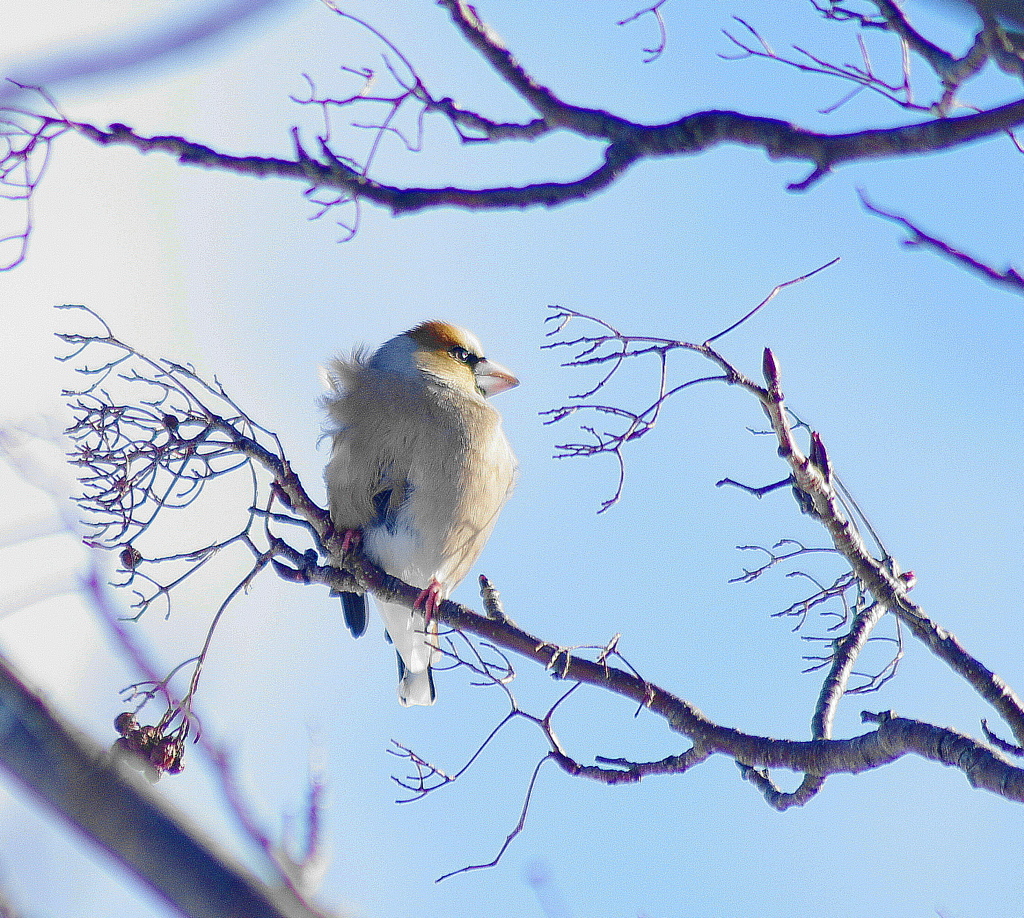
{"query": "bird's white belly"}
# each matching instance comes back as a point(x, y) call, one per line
point(398, 550)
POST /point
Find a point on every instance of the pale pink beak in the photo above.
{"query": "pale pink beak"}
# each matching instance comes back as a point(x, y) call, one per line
point(493, 378)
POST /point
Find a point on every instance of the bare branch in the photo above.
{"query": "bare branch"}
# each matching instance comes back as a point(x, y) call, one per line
point(412, 88)
point(335, 179)
point(653, 53)
point(881, 577)
point(181, 393)
point(777, 289)
point(613, 347)
point(794, 549)
point(863, 77)
point(1010, 278)
point(26, 142)
point(587, 122)
point(511, 835)
point(627, 144)
point(843, 659)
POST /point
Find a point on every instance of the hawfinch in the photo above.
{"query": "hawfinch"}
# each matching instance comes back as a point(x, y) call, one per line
point(421, 468)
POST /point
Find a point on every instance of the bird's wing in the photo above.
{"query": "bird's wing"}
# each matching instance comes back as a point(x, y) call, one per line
point(370, 455)
point(359, 484)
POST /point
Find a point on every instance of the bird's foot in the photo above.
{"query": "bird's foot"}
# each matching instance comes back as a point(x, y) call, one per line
point(428, 601)
point(352, 538)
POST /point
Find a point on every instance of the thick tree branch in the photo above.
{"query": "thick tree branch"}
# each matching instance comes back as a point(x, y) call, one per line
point(337, 174)
point(588, 122)
point(843, 660)
point(894, 737)
point(629, 143)
point(624, 142)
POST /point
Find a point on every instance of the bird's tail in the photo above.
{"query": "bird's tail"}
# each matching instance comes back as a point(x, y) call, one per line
point(354, 605)
point(415, 688)
point(417, 651)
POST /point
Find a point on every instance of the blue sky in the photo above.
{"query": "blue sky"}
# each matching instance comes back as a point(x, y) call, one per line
point(907, 366)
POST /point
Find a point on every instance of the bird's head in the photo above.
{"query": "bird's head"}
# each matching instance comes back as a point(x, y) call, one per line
point(449, 353)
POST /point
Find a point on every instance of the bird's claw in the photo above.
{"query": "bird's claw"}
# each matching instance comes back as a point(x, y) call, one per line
point(428, 601)
point(352, 539)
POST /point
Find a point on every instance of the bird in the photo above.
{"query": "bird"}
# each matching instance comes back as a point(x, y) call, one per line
point(419, 471)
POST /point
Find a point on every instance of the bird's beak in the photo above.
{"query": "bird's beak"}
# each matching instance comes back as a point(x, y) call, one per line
point(493, 378)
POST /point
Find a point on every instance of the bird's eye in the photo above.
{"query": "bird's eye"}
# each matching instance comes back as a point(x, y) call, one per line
point(464, 356)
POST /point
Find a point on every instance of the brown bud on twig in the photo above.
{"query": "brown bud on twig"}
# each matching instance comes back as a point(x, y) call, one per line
point(280, 493)
point(492, 600)
point(819, 456)
point(770, 368)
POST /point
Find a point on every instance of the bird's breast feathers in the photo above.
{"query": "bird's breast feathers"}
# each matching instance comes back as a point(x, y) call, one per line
point(441, 453)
